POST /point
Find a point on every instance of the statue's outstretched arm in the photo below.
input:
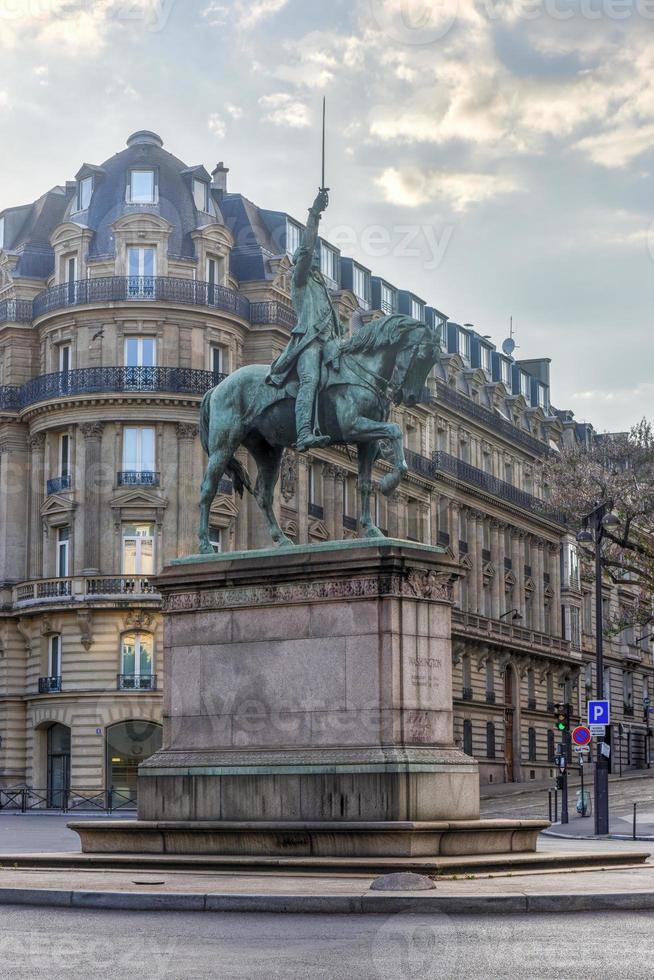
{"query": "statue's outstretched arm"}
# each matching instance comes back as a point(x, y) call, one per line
point(310, 237)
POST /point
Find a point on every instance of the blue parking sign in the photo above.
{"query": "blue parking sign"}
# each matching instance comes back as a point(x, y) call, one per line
point(598, 713)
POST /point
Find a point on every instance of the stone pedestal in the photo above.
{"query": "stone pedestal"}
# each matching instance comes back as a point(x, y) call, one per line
point(308, 710)
point(309, 684)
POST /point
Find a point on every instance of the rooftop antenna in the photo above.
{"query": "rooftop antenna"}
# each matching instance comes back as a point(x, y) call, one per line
point(509, 344)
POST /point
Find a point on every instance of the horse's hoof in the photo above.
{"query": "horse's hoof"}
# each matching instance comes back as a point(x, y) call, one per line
point(206, 549)
point(284, 542)
point(374, 532)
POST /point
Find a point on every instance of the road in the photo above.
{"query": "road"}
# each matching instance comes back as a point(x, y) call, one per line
point(31, 832)
point(60, 943)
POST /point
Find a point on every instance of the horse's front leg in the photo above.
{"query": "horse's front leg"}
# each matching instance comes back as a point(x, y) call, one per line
point(367, 454)
point(360, 429)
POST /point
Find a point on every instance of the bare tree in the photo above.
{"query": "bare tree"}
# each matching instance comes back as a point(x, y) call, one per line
point(617, 468)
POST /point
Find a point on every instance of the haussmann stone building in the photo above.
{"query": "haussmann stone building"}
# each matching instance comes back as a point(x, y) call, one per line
point(124, 295)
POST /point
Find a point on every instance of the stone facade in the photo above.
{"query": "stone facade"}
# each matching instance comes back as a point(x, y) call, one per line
point(109, 336)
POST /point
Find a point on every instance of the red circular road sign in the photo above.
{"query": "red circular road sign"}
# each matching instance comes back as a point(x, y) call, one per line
point(581, 735)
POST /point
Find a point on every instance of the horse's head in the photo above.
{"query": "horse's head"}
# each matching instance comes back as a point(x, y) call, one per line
point(418, 352)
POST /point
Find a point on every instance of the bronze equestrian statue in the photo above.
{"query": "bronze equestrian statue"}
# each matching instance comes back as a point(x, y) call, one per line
point(323, 389)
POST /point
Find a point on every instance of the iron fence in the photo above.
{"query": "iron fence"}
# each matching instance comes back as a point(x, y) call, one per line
point(138, 478)
point(26, 798)
point(119, 380)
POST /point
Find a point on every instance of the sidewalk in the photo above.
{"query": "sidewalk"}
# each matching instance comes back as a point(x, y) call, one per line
point(629, 888)
point(621, 825)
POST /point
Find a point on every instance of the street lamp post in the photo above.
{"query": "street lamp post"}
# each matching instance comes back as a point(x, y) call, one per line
point(593, 531)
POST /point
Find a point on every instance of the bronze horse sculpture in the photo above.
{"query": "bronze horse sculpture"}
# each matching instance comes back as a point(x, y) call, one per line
point(385, 362)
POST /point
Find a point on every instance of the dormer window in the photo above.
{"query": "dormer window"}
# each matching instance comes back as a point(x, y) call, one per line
point(417, 309)
point(84, 193)
point(141, 187)
point(505, 368)
point(486, 359)
point(361, 286)
point(463, 344)
point(201, 195)
point(2, 232)
point(543, 400)
point(329, 264)
point(525, 385)
point(388, 300)
point(293, 237)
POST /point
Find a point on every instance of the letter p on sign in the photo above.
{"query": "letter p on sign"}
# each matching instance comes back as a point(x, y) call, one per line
point(598, 713)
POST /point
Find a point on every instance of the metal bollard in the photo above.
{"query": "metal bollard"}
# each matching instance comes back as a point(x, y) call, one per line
point(549, 804)
point(556, 806)
point(634, 828)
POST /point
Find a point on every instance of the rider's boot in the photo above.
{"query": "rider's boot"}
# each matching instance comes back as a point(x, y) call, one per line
point(306, 439)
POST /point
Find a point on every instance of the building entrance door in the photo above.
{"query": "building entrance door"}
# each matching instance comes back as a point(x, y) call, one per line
point(58, 766)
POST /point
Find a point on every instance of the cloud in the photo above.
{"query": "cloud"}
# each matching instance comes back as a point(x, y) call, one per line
point(246, 13)
point(619, 146)
point(216, 125)
point(413, 187)
point(281, 109)
point(235, 111)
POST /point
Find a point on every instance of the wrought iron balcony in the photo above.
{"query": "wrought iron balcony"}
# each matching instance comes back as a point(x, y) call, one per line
point(119, 380)
point(151, 289)
point(491, 420)
point(10, 396)
point(628, 710)
point(138, 478)
point(531, 704)
point(422, 465)
point(467, 694)
point(351, 523)
point(315, 510)
point(491, 697)
point(49, 685)
point(59, 483)
point(15, 311)
point(463, 547)
point(137, 682)
point(464, 472)
point(279, 314)
point(444, 538)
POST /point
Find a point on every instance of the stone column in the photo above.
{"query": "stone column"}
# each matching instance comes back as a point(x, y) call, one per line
point(554, 552)
point(329, 498)
point(92, 432)
point(304, 463)
point(518, 572)
point(340, 476)
point(37, 449)
point(478, 557)
point(433, 518)
point(454, 528)
point(497, 558)
point(473, 578)
point(186, 508)
point(539, 570)
point(402, 515)
point(14, 477)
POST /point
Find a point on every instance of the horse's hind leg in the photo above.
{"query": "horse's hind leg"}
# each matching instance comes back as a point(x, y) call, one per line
point(216, 467)
point(268, 459)
point(367, 454)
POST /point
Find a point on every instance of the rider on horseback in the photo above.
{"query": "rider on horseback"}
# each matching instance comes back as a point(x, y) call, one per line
point(318, 323)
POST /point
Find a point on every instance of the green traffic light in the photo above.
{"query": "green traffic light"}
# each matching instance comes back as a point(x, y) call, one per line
point(561, 726)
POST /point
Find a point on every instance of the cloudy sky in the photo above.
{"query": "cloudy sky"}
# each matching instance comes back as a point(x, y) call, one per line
point(494, 156)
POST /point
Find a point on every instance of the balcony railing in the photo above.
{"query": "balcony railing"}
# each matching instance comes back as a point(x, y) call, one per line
point(10, 396)
point(491, 420)
point(15, 311)
point(460, 470)
point(491, 697)
point(49, 685)
point(137, 682)
point(279, 314)
point(471, 624)
point(138, 478)
point(155, 289)
point(119, 380)
point(422, 465)
point(628, 710)
point(315, 510)
point(351, 523)
point(82, 589)
point(59, 483)
point(467, 694)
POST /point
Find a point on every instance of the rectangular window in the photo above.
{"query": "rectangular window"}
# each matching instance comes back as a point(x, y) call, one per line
point(84, 193)
point(139, 450)
point(467, 736)
point(201, 195)
point(64, 358)
point(293, 237)
point(387, 299)
point(543, 400)
point(490, 740)
point(463, 344)
point(140, 352)
point(361, 286)
point(506, 372)
point(63, 552)
point(417, 309)
point(486, 360)
point(218, 360)
point(2, 232)
point(64, 455)
point(216, 539)
point(525, 385)
point(329, 263)
point(54, 655)
point(138, 549)
point(141, 270)
point(628, 689)
point(137, 655)
point(70, 273)
point(142, 187)
point(532, 744)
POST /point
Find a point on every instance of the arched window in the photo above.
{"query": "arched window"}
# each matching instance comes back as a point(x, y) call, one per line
point(128, 744)
point(467, 736)
point(137, 663)
point(490, 740)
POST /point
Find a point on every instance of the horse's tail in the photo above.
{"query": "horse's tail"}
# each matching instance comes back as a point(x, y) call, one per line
point(240, 476)
point(205, 415)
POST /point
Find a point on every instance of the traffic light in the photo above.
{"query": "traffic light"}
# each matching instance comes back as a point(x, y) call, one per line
point(562, 717)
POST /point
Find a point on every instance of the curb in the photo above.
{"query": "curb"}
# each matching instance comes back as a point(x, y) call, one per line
point(369, 903)
point(553, 833)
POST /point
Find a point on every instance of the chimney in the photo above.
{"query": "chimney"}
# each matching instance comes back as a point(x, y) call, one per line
point(219, 177)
